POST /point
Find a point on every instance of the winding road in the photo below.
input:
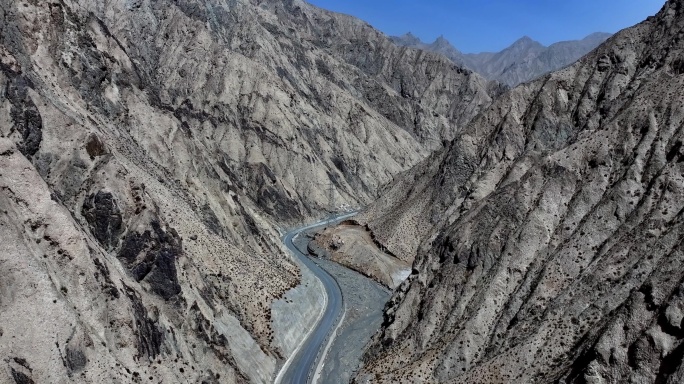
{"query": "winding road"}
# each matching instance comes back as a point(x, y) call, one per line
point(300, 367)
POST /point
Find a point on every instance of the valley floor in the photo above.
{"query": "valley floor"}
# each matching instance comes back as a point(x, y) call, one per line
point(364, 300)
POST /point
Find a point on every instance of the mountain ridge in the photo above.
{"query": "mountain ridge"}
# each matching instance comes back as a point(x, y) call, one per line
point(548, 235)
point(523, 60)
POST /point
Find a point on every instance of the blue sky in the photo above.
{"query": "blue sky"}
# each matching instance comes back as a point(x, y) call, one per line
point(491, 25)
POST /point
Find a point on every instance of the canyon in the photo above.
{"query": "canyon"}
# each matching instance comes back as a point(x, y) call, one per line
point(153, 154)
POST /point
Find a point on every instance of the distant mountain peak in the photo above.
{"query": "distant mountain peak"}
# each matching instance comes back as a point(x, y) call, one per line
point(407, 39)
point(522, 61)
point(597, 36)
point(526, 41)
point(442, 43)
point(441, 39)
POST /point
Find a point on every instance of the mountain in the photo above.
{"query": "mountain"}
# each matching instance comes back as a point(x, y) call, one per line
point(440, 45)
point(523, 61)
point(548, 233)
point(151, 154)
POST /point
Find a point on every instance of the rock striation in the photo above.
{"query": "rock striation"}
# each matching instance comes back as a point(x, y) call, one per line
point(150, 152)
point(548, 234)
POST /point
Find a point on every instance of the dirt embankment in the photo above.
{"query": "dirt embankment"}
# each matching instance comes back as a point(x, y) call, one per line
point(353, 246)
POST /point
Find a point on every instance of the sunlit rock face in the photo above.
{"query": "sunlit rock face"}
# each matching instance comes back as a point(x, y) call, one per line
point(150, 153)
point(548, 234)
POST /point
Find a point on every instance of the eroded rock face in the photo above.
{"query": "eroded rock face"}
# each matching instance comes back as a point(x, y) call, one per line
point(25, 123)
point(104, 218)
point(149, 152)
point(151, 256)
point(549, 233)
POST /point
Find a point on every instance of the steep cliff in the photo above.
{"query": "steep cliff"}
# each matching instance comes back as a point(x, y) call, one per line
point(150, 152)
point(549, 233)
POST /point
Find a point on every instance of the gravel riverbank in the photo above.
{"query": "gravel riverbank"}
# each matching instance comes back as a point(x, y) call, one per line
point(364, 300)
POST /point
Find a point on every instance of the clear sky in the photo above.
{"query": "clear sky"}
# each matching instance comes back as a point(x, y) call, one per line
point(491, 25)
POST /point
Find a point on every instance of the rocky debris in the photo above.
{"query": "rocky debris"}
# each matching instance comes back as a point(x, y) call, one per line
point(549, 233)
point(523, 61)
point(354, 246)
point(313, 249)
point(102, 323)
point(216, 340)
point(270, 194)
point(335, 243)
point(102, 276)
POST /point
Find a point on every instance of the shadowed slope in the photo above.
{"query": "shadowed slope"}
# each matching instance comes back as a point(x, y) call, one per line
point(549, 234)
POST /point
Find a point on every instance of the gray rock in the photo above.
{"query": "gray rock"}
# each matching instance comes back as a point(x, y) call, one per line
point(548, 234)
point(523, 61)
point(127, 126)
point(104, 218)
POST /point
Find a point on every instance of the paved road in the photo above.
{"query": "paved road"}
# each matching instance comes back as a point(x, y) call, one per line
point(297, 369)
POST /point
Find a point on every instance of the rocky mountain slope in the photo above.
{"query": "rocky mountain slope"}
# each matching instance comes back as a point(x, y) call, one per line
point(441, 45)
point(523, 61)
point(550, 231)
point(150, 152)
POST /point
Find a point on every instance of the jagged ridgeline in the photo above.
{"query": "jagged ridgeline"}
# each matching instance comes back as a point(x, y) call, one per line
point(149, 152)
point(522, 61)
point(550, 230)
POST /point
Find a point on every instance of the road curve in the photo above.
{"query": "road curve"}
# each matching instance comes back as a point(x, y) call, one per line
point(305, 359)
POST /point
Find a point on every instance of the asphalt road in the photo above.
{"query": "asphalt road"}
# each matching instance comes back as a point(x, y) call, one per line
point(297, 369)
